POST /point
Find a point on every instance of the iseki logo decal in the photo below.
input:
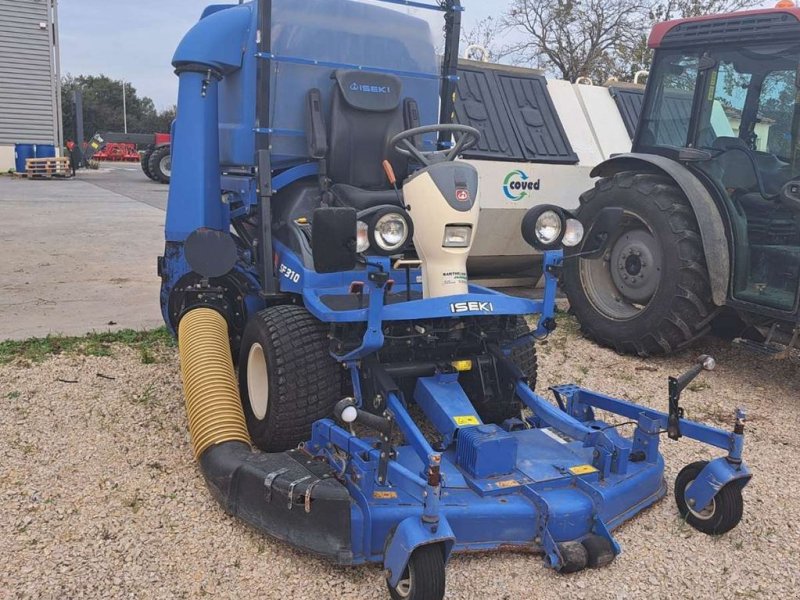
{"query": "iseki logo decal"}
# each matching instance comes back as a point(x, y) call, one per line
point(474, 306)
point(370, 89)
point(517, 184)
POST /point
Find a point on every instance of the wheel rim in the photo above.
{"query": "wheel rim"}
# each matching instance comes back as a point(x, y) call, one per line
point(257, 381)
point(166, 165)
point(403, 587)
point(705, 514)
point(621, 283)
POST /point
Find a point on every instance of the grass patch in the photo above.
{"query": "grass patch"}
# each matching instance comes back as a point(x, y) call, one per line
point(94, 344)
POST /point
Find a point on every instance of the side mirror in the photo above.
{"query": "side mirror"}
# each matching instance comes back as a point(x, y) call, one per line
point(333, 237)
point(605, 224)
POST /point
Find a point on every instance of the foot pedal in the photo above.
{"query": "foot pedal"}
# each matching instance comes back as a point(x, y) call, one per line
point(769, 350)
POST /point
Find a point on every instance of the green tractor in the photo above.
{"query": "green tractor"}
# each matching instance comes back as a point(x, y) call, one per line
point(710, 192)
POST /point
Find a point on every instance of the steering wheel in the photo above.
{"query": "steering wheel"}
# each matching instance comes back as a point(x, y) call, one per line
point(403, 142)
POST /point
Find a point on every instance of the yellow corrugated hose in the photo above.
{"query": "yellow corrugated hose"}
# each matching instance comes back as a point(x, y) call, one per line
point(213, 404)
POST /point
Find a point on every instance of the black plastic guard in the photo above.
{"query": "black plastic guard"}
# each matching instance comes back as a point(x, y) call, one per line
point(255, 487)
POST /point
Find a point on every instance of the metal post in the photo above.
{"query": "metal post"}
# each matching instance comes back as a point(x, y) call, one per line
point(124, 108)
point(452, 21)
point(263, 162)
point(77, 99)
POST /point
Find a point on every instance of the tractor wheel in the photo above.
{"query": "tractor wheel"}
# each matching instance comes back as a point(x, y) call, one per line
point(160, 164)
point(725, 510)
point(524, 356)
point(287, 378)
point(145, 161)
point(424, 577)
point(650, 293)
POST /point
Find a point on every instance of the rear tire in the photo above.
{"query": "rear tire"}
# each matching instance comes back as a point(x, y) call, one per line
point(160, 164)
point(287, 377)
point(650, 294)
point(424, 577)
point(145, 162)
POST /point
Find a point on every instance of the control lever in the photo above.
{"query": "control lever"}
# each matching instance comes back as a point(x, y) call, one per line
point(677, 385)
point(347, 412)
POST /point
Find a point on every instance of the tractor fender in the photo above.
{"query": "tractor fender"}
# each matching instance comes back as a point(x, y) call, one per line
point(709, 219)
point(410, 534)
point(715, 475)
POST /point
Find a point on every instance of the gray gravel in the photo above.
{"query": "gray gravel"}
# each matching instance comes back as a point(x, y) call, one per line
point(101, 499)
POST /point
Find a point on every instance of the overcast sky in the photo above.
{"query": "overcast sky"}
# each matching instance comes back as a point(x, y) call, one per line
point(135, 39)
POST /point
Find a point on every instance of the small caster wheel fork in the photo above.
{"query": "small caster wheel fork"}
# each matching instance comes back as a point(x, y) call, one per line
point(722, 514)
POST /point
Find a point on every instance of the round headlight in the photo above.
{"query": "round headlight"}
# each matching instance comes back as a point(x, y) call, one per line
point(362, 237)
point(391, 232)
point(548, 227)
point(573, 233)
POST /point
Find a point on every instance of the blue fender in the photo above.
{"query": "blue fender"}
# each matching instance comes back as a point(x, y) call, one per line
point(410, 534)
point(717, 474)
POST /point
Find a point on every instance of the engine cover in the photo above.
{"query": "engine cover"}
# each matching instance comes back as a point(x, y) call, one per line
point(486, 451)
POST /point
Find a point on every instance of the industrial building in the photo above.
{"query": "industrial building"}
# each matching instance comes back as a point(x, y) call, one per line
point(30, 97)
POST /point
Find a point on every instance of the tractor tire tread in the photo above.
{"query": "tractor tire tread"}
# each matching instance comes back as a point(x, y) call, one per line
point(689, 312)
point(154, 164)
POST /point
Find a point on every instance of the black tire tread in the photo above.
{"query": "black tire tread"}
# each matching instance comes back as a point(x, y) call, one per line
point(154, 164)
point(145, 162)
point(691, 308)
point(427, 564)
point(729, 502)
point(304, 380)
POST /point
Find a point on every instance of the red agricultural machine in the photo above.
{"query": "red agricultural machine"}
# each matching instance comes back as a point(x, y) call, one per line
point(154, 151)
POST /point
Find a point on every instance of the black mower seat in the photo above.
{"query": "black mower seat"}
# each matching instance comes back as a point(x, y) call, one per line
point(361, 199)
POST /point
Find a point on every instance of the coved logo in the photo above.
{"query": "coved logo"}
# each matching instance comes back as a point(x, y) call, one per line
point(472, 306)
point(517, 184)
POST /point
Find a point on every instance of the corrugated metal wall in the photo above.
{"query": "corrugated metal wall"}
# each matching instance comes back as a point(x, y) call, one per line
point(29, 111)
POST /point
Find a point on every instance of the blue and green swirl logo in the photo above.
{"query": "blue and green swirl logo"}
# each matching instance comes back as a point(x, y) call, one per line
point(517, 184)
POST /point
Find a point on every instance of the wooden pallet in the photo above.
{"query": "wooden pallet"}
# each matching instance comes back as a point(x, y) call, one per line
point(47, 168)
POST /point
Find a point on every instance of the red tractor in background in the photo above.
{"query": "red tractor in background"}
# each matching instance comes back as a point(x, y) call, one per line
point(710, 195)
point(154, 151)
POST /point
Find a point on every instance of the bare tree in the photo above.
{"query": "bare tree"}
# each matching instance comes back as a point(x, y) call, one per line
point(484, 35)
point(574, 38)
point(595, 38)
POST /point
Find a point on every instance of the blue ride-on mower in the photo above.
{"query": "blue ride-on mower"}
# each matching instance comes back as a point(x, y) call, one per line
point(317, 232)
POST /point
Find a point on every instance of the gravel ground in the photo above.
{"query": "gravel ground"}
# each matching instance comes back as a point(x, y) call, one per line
point(101, 498)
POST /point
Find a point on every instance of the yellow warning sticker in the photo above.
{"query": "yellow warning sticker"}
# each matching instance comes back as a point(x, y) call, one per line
point(384, 495)
point(507, 483)
point(466, 420)
point(582, 469)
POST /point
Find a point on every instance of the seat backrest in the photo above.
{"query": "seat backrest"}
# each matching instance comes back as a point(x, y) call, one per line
point(366, 113)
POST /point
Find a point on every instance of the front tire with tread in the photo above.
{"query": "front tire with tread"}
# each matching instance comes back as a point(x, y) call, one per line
point(424, 577)
point(725, 511)
point(302, 379)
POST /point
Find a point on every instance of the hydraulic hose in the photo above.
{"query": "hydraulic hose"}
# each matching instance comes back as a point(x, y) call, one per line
point(213, 404)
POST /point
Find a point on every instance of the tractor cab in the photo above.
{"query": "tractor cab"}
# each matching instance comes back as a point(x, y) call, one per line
point(729, 110)
point(711, 195)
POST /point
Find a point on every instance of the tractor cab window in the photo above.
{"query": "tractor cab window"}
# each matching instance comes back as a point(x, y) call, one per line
point(747, 121)
point(665, 122)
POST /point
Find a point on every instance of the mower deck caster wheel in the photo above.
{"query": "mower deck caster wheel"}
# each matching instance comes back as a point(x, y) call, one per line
point(574, 555)
point(423, 578)
point(599, 551)
point(721, 515)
